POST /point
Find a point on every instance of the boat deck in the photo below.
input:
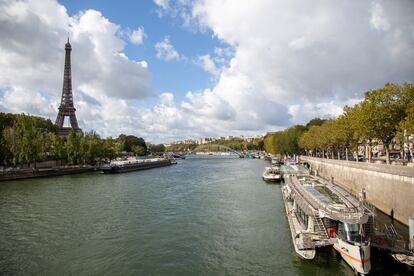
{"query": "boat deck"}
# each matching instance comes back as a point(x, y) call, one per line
point(327, 199)
point(294, 169)
point(303, 244)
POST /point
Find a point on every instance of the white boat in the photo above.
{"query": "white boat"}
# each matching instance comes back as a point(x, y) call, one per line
point(321, 214)
point(272, 174)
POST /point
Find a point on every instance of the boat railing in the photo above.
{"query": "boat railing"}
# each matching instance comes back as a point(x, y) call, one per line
point(348, 213)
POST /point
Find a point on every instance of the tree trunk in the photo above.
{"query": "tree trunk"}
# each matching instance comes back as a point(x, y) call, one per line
point(387, 153)
point(346, 154)
point(339, 155)
point(369, 153)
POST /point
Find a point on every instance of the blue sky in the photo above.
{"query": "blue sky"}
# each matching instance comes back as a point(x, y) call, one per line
point(204, 68)
point(177, 77)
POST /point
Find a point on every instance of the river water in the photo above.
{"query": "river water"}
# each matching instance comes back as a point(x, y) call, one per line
point(203, 216)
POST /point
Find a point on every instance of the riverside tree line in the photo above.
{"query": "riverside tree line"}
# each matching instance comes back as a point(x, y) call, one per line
point(238, 144)
point(385, 115)
point(28, 139)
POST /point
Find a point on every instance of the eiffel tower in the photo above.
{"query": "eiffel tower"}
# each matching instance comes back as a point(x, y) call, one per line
point(66, 108)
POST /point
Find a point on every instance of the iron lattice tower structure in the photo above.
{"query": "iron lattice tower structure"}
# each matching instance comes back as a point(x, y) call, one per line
point(66, 108)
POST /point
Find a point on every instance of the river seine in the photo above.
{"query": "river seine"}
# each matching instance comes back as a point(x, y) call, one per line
point(203, 216)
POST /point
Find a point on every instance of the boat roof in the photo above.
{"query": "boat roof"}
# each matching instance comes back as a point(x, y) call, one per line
point(134, 161)
point(316, 195)
point(294, 169)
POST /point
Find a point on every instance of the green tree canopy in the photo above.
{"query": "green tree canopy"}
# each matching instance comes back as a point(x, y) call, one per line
point(129, 141)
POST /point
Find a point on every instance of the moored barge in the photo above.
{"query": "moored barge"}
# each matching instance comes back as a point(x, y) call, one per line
point(321, 214)
point(129, 165)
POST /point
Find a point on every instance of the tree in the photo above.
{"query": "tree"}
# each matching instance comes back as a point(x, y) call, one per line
point(73, 147)
point(25, 139)
point(11, 146)
point(129, 141)
point(110, 148)
point(315, 122)
point(289, 140)
point(383, 113)
point(407, 102)
point(6, 121)
point(139, 150)
point(311, 140)
point(272, 142)
point(58, 149)
point(91, 145)
point(30, 138)
point(156, 148)
point(347, 138)
point(284, 142)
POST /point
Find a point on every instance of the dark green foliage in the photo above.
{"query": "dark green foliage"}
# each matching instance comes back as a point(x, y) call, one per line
point(284, 142)
point(384, 114)
point(235, 144)
point(129, 142)
point(156, 148)
point(28, 139)
point(181, 147)
point(315, 122)
point(23, 138)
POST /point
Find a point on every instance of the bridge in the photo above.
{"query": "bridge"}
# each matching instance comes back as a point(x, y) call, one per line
point(217, 148)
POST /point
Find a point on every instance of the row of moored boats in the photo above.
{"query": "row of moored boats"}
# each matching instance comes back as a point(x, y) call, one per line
point(321, 213)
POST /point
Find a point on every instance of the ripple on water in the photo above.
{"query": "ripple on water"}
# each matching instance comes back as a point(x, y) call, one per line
point(200, 217)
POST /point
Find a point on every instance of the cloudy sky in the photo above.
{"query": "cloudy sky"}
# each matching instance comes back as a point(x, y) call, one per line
point(167, 70)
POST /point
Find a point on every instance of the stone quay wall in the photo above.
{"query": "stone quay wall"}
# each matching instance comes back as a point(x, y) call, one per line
point(388, 187)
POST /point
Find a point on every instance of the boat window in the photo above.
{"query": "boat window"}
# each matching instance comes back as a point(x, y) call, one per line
point(322, 198)
point(352, 232)
point(302, 216)
point(341, 230)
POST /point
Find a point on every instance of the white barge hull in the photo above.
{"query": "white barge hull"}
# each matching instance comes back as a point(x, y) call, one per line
point(357, 256)
point(295, 230)
point(272, 178)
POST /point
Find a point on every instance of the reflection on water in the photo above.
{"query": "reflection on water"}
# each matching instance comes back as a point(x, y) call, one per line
point(203, 216)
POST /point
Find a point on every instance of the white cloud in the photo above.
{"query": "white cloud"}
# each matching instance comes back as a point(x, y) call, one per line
point(378, 20)
point(17, 100)
point(209, 105)
point(309, 58)
point(103, 76)
point(164, 4)
point(208, 64)
point(279, 63)
point(32, 50)
point(167, 99)
point(137, 36)
point(165, 50)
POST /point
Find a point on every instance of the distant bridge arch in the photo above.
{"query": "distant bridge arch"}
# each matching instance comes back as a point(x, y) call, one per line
point(217, 148)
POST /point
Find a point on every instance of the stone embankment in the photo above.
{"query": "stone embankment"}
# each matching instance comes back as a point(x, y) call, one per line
point(43, 172)
point(389, 187)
